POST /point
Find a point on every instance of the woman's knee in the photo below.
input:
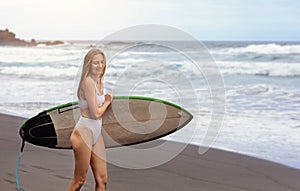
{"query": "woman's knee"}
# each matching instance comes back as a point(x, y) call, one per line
point(79, 181)
point(82, 178)
point(101, 179)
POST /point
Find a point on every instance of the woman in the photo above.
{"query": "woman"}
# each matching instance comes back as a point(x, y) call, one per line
point(86, 138)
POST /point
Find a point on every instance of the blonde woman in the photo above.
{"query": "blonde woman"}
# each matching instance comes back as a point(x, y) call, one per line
point(86, 138)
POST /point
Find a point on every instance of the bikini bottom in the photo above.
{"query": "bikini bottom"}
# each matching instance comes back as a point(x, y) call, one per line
point(94, 125)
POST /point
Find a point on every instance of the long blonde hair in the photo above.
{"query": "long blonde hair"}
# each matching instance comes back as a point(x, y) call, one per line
point(86, 66)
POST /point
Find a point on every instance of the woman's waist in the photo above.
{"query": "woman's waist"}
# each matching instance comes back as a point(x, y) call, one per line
point(89, 119)
point(86, 114)
point(83, 121)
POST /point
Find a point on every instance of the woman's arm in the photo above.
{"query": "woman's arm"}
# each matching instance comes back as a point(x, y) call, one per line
point(95, 111)
point(101, 109)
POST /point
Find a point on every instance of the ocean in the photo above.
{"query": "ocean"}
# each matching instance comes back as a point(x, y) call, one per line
point(260, 80)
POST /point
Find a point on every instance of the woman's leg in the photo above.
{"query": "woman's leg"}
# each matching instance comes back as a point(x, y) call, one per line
point(81, 140)
point(98, 164)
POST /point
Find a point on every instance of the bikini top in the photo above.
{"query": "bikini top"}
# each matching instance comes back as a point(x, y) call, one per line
point(100, 99)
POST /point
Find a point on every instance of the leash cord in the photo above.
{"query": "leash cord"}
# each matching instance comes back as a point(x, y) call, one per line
point(17, 165)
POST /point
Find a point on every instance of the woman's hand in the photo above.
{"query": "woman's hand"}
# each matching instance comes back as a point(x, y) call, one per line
point(108, 98)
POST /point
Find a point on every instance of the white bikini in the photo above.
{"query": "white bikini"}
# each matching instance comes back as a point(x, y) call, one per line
point(94, 125)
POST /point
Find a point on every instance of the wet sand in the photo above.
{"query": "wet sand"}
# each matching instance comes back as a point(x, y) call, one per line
point(48, 169)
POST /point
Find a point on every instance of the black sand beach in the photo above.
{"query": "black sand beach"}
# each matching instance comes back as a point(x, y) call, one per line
point(47, 169)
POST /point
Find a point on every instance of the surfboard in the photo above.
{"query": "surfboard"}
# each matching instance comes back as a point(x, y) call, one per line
point(128, 120)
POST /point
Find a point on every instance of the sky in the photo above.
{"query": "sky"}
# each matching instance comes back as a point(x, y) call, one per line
point(216, 20)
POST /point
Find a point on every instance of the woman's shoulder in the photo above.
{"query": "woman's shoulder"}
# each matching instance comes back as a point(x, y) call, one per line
point(88, 82)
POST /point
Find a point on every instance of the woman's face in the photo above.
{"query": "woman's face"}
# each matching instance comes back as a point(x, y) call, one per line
point(97, 65)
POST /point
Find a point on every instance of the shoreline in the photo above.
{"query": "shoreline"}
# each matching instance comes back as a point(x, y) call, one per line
point(191, 144)
point(47, 169)
point(292, 165)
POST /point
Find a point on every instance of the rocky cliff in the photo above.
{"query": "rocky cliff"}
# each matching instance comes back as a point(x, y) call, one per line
point(8, 38)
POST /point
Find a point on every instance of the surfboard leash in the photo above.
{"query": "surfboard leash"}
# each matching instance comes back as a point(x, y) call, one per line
point(18, 163)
